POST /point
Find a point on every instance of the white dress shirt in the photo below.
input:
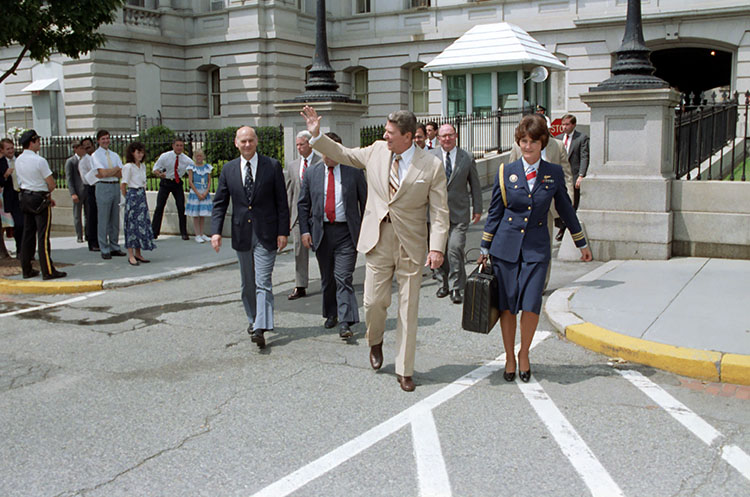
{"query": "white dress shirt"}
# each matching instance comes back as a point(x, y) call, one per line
point(405, 162)
point(84, 166)
point(253, 167)
point(165, 163)
point(453, 153)
point(99, 161)
point(302, 164)
point(527, 168)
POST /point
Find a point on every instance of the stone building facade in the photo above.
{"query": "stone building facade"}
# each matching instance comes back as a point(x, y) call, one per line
point(204, 64)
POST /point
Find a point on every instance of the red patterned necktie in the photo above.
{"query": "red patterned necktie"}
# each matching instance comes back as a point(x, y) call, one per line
point(567, 137)
point(304, 169)
point(331, 197)
point(176, 165)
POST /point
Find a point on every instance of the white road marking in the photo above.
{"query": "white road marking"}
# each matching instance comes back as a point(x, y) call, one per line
point(687, 418)
point(341, 454)
point(431, 471)
point(585, 463)
point(53, 304)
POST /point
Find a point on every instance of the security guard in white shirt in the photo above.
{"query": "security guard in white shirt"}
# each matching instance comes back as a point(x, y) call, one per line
point(36, 182)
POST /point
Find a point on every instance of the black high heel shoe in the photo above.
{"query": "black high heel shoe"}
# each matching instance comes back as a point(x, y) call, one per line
point(525, 375)
point(509, 376)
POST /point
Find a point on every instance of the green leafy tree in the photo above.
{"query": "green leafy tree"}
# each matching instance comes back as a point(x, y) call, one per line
point(43, 27)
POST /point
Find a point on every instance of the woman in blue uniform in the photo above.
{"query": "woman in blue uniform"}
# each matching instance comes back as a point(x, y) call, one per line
point(516, 237)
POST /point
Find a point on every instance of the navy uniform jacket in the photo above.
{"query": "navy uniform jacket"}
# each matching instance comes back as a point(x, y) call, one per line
point(266, 216)
point(521, 227)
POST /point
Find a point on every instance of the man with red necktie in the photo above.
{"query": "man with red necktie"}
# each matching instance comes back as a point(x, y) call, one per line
point(331, 204)
point(294, 172)
point(576, 146)
point(171, 167)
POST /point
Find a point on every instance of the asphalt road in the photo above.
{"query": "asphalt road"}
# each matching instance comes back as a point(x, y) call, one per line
point(156, 390)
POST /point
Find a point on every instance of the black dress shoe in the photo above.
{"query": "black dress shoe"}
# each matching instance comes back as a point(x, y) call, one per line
point(509, 376)
point(31, 274)
point(525, 375)
point(442, 292)
point(106, 256)
point(376, 356)
point(94, 249)
point(406, 382)
point(136, 263)
point(331, 322)
point(345, 331)
point(297, 293)
point(141, 259)
point(456, 297)
point(257, 338)
point(185, 237)
point(54, 275)
point(118, 253)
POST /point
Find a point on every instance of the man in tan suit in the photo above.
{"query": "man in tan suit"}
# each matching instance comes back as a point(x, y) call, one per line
point(402, 182)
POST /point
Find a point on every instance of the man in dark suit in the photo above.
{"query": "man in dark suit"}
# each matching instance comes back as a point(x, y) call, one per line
point(294, 173)
point(11, 202)
point(331, 204)
point(76, 188)
point(577, 147)
point(260, 225)
point(460, 171)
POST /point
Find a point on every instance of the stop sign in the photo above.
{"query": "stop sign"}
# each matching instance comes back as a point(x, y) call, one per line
point(556, 127)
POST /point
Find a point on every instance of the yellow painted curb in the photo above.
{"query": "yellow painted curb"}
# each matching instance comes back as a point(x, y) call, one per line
point(702, 364)
point(735, 368)
point(53, 287)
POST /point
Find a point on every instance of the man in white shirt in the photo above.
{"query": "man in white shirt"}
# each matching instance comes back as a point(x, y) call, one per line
point(108, 166)
point(432, 135)
point(36, 182)
point(293, 174)
point(90, 211)
point(171, 167)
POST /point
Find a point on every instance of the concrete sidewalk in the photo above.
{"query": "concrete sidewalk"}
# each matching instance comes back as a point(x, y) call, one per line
point(87, 271)
point(685, 315)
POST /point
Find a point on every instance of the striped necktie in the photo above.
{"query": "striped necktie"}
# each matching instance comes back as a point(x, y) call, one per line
point(393, 179)
point(531, 177)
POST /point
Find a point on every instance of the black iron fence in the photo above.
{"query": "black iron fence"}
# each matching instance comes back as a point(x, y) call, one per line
point(477, 135)
point(707, 128)
point(217, 145)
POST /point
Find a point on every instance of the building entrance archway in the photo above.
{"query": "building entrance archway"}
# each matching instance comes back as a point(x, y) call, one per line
point(693, 69)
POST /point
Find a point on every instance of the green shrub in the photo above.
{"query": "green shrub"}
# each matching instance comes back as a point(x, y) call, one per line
point(157, 139)
point(219, 144)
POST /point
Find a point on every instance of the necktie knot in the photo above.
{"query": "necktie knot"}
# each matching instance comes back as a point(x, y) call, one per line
point(394, 178)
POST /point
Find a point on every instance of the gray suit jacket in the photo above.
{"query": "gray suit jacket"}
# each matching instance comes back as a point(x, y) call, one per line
point(311, 206)
point(464, 174)
point(73, 177)
point(578, 153)
point(293, 185)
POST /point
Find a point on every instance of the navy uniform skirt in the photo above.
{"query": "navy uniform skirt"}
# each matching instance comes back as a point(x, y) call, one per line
point(520, 285)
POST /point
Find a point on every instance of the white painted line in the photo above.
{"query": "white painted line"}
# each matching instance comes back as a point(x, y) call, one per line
point(687, 418)
point(53, 304)
point(343, 453)
point(585, 463)
point(431, 471)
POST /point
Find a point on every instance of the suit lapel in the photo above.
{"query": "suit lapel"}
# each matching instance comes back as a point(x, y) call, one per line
point(518, 170)
point(260, 174)
point(415, 168)
point(539, 176)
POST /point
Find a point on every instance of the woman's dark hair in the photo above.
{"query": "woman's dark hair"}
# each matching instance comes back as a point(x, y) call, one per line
point(535, 127)
point(129, 157)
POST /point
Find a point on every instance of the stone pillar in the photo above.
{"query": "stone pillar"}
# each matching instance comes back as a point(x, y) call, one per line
point(342, 118)
point(626, 195)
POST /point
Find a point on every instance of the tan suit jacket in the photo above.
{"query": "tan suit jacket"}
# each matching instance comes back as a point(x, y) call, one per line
point(423, 186)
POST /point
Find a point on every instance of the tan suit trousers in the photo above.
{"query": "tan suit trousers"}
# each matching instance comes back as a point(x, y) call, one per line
point(387, 258)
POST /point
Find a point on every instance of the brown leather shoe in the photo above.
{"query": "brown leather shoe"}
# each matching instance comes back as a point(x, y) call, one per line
point(407, 384)
point(376, 356)
point(297, 293)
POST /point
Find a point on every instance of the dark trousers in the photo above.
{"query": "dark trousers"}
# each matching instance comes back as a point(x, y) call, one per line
point(91, 217)
point(39, 226)
point(167, 186)
point(17, 215)
point(576, 201)
point(337, 257)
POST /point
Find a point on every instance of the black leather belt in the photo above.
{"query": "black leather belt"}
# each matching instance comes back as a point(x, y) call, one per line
point(328, 223)
point(33, 192)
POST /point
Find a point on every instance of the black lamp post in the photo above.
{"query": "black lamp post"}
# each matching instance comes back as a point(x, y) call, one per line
point(321, 82)
point(632, 70)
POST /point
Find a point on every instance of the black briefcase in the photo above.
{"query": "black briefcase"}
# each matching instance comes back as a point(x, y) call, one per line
point(480, 311)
